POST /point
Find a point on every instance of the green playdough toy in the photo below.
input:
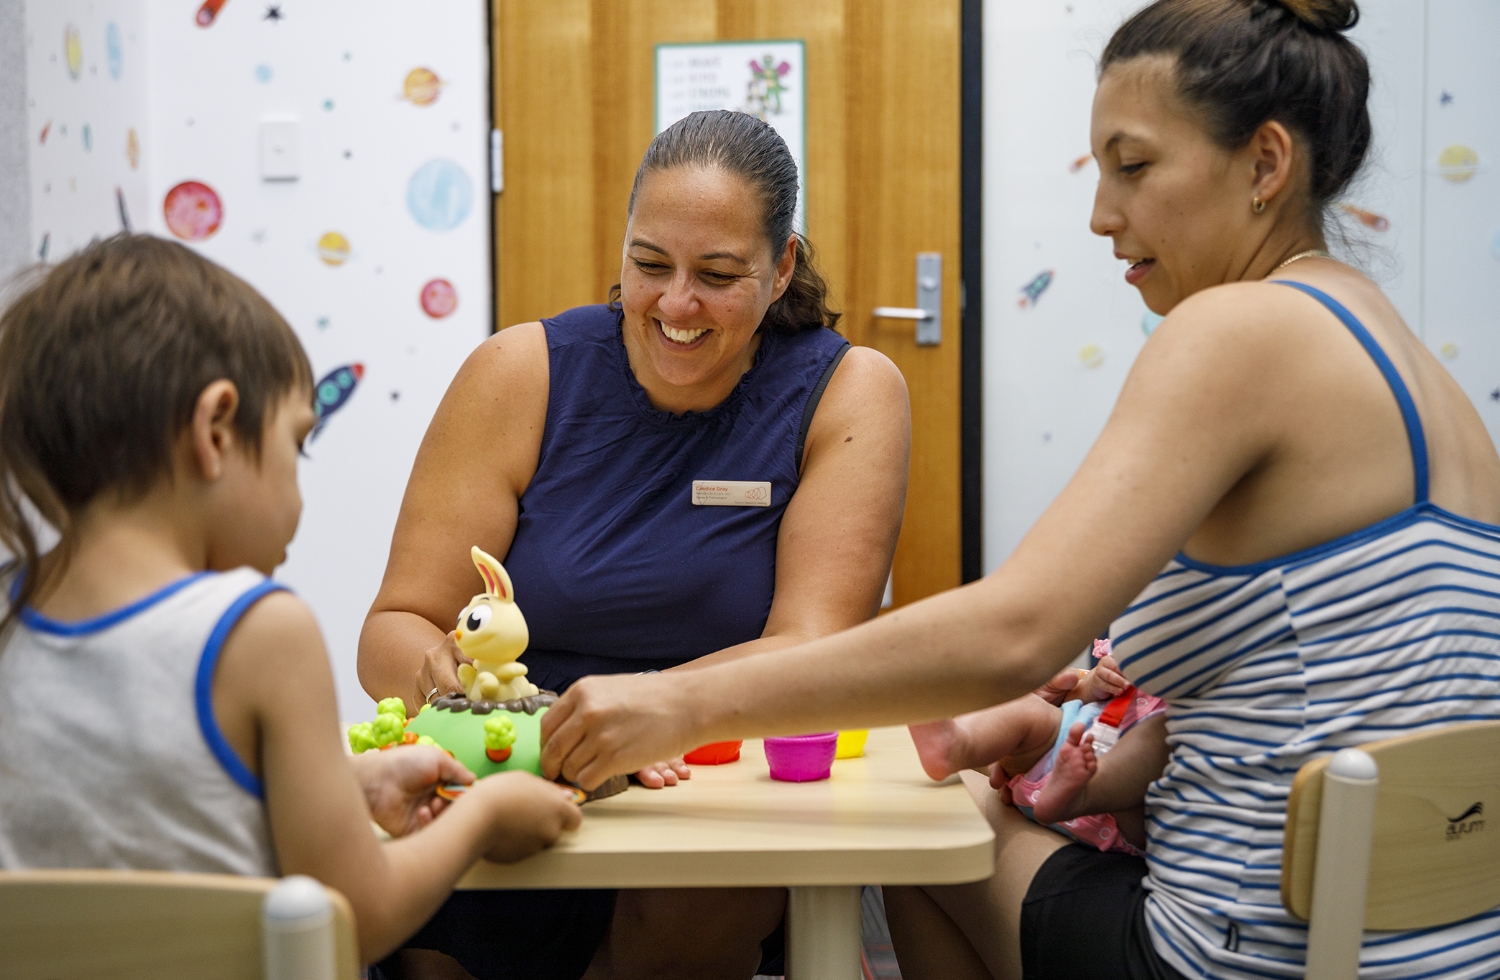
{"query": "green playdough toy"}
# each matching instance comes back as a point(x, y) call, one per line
point(496, 725)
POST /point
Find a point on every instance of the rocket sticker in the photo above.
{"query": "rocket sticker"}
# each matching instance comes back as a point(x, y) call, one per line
point(1033, 290)
point(333, 391)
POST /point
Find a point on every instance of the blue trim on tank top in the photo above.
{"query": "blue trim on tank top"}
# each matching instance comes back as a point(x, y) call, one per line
point(45, 624)
point(1415, 437)
point(203, 685)
point(1384, 526)
point(1414, 434)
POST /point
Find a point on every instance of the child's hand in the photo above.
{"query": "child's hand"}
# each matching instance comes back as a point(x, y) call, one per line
point(526, 813)
point(1102, 683)
point(400, 785)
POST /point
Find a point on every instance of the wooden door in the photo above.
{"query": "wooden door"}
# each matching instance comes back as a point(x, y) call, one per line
point(574, 98)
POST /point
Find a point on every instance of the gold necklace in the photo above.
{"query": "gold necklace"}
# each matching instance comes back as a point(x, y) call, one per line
point(1309, 254)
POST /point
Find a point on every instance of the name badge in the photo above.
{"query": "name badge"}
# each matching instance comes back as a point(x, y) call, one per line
point(731, 493)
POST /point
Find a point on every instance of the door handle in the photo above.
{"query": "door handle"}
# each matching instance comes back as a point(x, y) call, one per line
point(928, 313)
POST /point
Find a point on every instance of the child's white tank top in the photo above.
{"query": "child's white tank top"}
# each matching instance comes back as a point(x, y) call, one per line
point(110, 755)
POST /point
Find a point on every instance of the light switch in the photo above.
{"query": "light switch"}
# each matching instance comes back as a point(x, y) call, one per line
point(280, 149)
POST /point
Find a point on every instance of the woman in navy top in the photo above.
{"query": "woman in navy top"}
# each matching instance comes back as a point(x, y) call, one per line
point(594, 450)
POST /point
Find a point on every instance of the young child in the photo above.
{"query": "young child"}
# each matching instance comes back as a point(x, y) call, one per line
point(163, 704)
point(1049, 764)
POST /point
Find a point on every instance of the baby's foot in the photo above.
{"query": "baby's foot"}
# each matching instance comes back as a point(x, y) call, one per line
point(940, 746)
point(1076, 764)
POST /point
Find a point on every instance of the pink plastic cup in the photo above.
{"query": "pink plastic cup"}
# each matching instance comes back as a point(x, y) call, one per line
point(801, 758)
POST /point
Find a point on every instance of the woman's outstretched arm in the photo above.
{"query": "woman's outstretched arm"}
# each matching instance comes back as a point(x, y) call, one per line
point(1200, 410)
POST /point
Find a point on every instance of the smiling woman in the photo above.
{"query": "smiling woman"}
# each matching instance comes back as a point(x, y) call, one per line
point(572, 448)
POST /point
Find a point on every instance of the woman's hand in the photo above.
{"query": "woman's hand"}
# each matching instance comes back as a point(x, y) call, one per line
point(660, 774)
point(438, 674)
point(606, 725)
point(400, 785)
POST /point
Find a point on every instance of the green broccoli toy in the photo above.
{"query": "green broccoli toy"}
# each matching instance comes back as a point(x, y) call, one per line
point(362, 737)
point(499, 736)
point(392, 706)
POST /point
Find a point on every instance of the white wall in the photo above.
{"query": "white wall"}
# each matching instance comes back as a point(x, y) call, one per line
point(1439, 258)
point(339, 68)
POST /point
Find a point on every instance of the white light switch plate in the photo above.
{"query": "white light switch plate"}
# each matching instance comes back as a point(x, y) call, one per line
point(280, 149)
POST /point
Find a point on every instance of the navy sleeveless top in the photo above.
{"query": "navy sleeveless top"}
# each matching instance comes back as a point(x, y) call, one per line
point(614, 566)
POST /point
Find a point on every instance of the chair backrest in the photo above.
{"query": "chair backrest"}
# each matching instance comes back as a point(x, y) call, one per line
point(143, 925)
point(1432, 861)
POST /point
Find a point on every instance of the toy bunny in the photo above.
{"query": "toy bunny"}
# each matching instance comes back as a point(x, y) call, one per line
point(492, 630)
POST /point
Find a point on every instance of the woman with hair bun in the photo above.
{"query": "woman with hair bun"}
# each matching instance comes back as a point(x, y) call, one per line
point(571, 448)
point(1290, 528)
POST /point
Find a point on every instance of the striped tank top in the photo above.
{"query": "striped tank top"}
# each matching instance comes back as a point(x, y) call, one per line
point(1387, 631)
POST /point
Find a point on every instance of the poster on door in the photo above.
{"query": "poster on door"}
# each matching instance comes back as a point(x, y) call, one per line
point(763, 78)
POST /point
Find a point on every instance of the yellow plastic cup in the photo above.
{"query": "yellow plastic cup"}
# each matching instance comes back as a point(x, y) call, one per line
point(852, 744)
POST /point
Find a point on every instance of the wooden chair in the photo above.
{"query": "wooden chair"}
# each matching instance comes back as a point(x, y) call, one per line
point(148, 925)
point(1389, 836)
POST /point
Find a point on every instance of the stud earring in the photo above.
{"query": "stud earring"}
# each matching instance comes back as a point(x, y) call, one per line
point(1257, 205)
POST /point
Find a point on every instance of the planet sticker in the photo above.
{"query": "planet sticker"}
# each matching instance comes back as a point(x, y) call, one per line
point(73, 49)
point(333, 248)
point(113, 53)
point(1091, 355)
point(332, 391)
point(422, 86)
point(193, 211)
point(1449, 350)
point(1150, 321)
point(439, 195)
point(1080, 163)
point(439, 298)
point(263, 74)
point(132, 148)
point(88, 138)
point(1457, 163)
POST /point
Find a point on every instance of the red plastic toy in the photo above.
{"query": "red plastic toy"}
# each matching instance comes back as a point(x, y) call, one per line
point(713, 754)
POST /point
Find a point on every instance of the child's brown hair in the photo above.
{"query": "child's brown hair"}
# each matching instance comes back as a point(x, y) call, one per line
point(101, 364)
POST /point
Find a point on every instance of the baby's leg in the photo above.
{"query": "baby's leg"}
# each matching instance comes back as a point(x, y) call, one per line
point(979, 738)
point(1082, 782)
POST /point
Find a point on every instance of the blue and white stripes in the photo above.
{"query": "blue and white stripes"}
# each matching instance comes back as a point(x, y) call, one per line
point(1387, 631)
point(1392, 630)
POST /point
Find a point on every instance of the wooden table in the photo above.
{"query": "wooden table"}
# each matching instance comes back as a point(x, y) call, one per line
point(879, 820)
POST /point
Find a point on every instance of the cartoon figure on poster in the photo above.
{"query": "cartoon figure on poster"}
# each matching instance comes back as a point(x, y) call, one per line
point(763, 90)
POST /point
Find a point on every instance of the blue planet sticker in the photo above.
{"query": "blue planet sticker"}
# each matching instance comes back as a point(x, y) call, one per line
point(332, 391)
point(263, 73)
point(440, 195)
point(1150, 321)
point(113, 53)
point(88, 138)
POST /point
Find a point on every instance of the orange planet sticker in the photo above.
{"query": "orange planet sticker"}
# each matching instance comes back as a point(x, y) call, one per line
point(193, 211)
point(1080, 163)
point(132, 148)
point(422, 86)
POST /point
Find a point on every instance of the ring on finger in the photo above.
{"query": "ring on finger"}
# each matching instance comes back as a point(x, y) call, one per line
point(431, 693)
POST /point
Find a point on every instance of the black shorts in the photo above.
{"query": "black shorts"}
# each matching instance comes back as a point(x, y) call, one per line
point(546, 934)
point(1084, 918)
point(562, 929)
